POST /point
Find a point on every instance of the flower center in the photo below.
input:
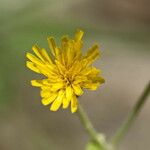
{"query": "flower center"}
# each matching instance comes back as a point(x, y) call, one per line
point(67, 78)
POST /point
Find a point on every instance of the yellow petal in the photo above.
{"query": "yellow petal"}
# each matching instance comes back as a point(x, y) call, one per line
point(79, 79)
point(45, 93)
point(64, 47)
point(92, 71)
point(34, 59)
point(39, 68)
point(91, 86)
point(45, 55)
point(78, 35)
point(98, 79)
point(74, 104)
point(92, 54)
point(56, 86)
point(65, 102)
point(37, 83)
point(37, 51)
point(55, 106)
point(43, 68)
point(75, 68)
point(69, 93)
point(50, 99)
point(55, 51)
point(32, 66)
point(64, 41)
point(60, 67)
point(70, 52)
point(77, 89)
point(52, 45)
point(92, 50)
point(45, 87)
point(58, 101)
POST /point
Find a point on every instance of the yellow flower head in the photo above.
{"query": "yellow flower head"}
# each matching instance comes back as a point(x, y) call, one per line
point(67, 72)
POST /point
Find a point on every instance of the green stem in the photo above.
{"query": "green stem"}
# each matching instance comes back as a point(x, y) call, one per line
point(132, 116)
point(88, 127)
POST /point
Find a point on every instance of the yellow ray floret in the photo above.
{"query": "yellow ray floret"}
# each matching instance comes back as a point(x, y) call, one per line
point(67, 72)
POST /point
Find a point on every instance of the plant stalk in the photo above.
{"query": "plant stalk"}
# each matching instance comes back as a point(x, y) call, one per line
point(131, 117)
point(89, 127)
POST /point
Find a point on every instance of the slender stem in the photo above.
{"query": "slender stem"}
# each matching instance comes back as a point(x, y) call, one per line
point(132, 116)
point(88, 126)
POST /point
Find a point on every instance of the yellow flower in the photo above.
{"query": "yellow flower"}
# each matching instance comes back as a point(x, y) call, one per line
point(67, 72)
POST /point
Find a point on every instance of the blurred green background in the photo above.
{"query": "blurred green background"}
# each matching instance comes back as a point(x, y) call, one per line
point(121, 27)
